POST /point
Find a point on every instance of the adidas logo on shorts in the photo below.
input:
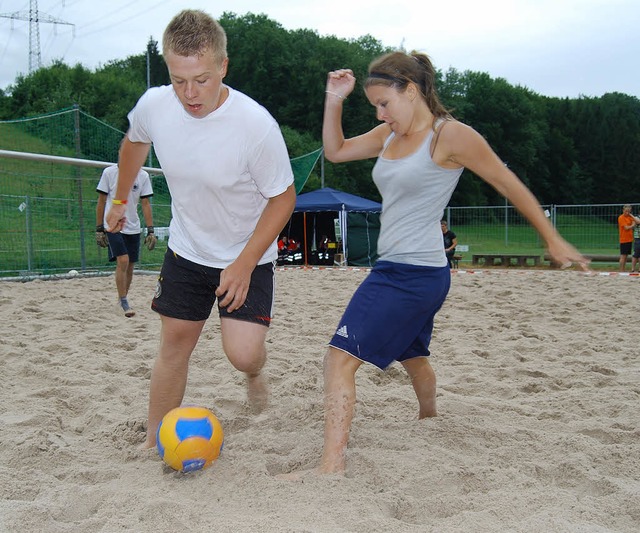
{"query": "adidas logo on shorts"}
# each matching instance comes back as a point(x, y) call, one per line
point(343, 332)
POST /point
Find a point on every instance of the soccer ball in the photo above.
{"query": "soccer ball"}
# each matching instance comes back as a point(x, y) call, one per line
point(189, 438)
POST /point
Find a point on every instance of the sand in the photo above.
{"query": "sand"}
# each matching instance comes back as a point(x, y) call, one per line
point(539, 402)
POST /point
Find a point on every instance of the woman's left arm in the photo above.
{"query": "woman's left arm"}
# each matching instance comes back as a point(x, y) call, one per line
point(467, 147)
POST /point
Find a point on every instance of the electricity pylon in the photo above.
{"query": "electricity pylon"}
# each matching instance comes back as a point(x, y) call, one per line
point(35, 18)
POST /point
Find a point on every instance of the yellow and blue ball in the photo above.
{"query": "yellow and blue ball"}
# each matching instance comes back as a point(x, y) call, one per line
point(189, 438)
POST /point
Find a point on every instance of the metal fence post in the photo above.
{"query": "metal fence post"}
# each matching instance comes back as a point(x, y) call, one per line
point(506, 222)
point(29, 229)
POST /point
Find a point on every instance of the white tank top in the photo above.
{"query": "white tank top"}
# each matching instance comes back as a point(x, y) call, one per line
point(415, 191)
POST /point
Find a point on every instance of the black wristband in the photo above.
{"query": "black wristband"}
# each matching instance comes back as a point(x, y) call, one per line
point(100, 227)
point(149, 229)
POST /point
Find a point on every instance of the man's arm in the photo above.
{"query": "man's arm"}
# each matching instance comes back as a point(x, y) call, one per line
point(151, 239)
point(146, 211)
point(101, 236)
point(234, 280)
point(100, 207)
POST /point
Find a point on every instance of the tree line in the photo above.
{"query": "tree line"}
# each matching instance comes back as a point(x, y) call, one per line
point(568, 151)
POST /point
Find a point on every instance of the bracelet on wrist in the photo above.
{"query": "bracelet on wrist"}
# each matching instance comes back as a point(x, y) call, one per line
point(100, 227)
point(149, 229)
point(336, 94)
point(119, 202)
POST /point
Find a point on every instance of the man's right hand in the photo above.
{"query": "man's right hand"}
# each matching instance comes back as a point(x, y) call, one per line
point(116, 218)
point(101, 237)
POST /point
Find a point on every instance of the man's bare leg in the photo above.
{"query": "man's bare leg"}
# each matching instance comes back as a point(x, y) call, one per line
point(244, 344)
point(623, 263)
point(423, 379)
point(124, 273)
point(178, 338)
point(129, 278)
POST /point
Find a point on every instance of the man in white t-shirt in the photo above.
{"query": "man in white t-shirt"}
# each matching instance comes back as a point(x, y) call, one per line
point(124, 246)
point(232, 192)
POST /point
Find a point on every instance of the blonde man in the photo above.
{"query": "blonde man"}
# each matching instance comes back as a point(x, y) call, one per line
point(232, 192)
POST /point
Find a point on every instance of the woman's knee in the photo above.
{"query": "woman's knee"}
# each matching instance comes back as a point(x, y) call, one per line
point(341, 362)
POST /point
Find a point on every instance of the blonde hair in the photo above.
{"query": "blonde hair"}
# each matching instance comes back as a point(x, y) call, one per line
point(194, 32)
point(398, 69)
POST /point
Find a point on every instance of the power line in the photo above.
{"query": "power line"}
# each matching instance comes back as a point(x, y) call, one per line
point(34, 17)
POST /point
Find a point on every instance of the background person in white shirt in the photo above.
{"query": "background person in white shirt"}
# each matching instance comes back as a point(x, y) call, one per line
point(124, 246)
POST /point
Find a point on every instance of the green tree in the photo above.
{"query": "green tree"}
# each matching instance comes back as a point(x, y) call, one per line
point(580, 150)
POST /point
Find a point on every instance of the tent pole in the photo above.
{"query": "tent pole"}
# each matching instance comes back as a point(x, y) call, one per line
point(304, 233)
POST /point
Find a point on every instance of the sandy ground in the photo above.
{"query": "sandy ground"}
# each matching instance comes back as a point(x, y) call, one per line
point(539, 426)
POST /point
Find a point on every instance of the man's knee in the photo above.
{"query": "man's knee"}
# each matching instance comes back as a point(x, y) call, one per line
point(246, 354)
point(122, 262)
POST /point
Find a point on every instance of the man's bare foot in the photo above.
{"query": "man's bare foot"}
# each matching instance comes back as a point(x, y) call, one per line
point(257, 393)
point(146, 445)
point(428, 410)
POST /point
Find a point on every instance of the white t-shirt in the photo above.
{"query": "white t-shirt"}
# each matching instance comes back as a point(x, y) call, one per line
point(220, 169)
point(141, 189)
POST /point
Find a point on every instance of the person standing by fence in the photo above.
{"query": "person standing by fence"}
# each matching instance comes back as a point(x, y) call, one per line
point(635, 260)
point(124, 246)
point(450, 240)
point(626, 223)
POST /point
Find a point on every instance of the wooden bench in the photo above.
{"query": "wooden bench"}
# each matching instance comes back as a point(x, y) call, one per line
point(521, 260)
point(457, 257)
point(598, 258)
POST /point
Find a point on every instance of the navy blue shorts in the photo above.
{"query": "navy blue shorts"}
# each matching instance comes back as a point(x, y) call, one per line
point(187, 291)
point(390, 316)
point(123, 244)
point(636, 248)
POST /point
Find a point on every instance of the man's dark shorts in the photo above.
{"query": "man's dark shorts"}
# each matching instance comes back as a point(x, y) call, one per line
point(636, 248)
point(122, 244)
point(186, 290)
point(625, 248)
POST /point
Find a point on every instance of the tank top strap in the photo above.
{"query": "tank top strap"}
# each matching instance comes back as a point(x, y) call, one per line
point(387, 141)
point(439, 124)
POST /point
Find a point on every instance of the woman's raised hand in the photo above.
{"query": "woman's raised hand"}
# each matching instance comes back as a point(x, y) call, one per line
point(340, 83)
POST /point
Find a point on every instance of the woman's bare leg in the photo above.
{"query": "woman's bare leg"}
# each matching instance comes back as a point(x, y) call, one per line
point(423, 379)
point(339, 402)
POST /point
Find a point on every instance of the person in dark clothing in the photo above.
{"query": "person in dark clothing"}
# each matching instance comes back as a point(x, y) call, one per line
point(450, 242)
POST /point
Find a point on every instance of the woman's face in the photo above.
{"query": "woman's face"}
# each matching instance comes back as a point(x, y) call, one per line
point(393, 106)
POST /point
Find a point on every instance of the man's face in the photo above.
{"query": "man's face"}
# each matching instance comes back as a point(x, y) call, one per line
point(444, 227)
point(197, 81)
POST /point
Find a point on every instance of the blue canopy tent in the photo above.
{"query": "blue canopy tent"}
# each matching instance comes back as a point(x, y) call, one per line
point(358, 223)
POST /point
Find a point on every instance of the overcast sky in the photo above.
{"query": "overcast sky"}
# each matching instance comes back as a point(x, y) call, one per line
point(564, 48)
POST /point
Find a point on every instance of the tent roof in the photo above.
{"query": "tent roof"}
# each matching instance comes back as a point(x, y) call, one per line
point(328, 199)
